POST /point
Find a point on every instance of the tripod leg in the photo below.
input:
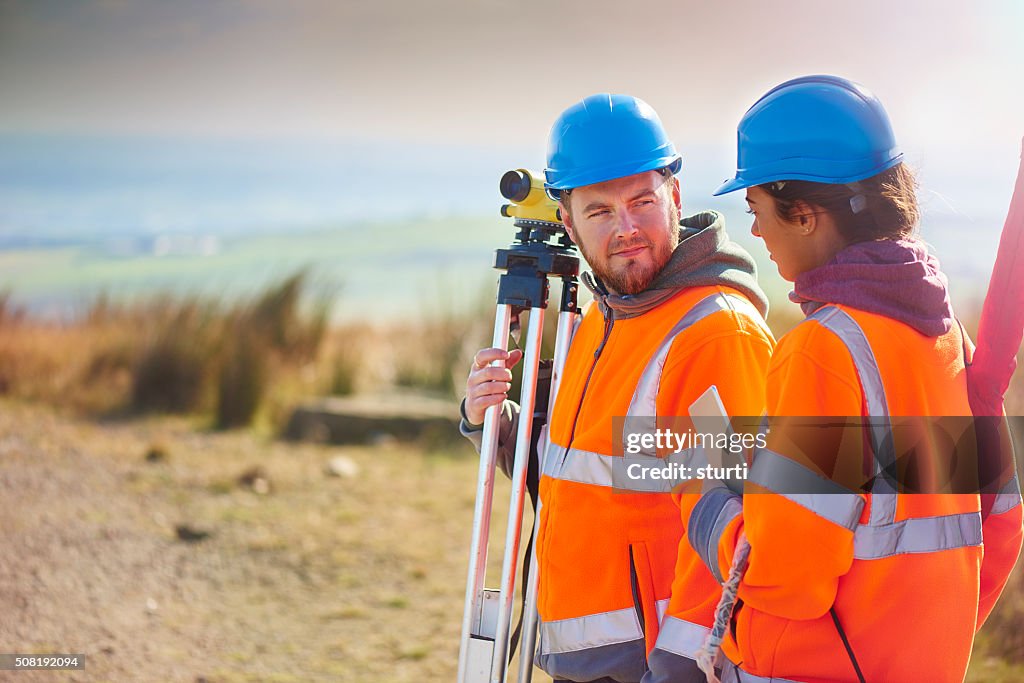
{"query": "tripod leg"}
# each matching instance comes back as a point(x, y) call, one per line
point(563, 337)
point(531, 361)
point(476, 644)
point(567, 321)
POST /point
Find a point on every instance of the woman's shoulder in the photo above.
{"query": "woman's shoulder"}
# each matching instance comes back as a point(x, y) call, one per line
point(810, 336)
point(811, 348)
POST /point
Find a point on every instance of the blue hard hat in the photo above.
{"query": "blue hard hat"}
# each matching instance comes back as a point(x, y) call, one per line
point(606, 137)
point(824, 129)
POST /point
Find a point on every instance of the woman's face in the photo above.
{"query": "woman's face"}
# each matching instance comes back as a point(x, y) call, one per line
point(787, 242)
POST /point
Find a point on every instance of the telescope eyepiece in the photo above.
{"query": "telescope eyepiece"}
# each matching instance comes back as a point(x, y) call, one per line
point(515, 185)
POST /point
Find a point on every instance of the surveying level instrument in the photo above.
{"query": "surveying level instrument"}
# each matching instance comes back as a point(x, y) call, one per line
point(542, 249)
point(531, 202)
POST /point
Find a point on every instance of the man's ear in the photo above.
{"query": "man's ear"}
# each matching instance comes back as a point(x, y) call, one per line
point(675, 193)
point(805, 216)
point(563, 209)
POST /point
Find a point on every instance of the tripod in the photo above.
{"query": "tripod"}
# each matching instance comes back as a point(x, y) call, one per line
point(542, 249)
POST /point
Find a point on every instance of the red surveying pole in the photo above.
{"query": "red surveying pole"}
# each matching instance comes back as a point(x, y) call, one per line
point(1000, 332)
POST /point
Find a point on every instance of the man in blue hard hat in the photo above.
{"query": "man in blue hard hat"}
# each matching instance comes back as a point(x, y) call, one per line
point(621, 594)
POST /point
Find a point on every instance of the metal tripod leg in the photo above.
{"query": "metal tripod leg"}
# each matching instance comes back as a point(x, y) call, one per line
point(510, 562)
point(529, 262)
point(476, 647)
point(528, 643)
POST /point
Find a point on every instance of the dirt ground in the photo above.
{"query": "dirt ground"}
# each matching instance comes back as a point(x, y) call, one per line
point(297, 576)
point(284, 573)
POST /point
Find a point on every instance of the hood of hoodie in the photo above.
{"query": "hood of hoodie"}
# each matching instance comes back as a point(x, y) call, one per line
point(705, 256)
point(895, 278)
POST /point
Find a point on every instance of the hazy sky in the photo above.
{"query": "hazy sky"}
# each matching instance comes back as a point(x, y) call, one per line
point(486, 72)
point(195, 116)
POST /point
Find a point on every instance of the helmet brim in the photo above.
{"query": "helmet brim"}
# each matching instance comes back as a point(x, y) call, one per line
point(673, 163)
point(739, 183)
point(731, 185)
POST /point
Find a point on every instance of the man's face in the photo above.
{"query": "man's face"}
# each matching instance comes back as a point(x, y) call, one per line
point(627, 228)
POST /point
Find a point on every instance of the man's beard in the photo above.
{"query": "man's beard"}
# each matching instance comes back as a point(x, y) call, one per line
point(633, 277)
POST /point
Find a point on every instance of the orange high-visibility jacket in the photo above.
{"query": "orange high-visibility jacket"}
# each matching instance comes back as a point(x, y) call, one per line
point(911, 577)
point(607, 558)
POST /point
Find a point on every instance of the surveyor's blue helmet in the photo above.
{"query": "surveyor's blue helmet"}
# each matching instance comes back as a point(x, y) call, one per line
point(606, 137)
point(824, 129)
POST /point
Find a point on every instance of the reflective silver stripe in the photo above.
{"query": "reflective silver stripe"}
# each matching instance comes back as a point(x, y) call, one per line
point(584, 467)
point(661, 606)
point(840, 323)
point(917, 535)
point(733, 674)
point(806, 488)
point(883, 505)
point(849, 332)
point(593, 630)
point(544, 445)
point(552, 459)
point(681, 637)
point(588, 467)
point(1008, 497)
point(640, 417)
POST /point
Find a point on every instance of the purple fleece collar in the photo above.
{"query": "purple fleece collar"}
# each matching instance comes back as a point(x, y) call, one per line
point(897, 279)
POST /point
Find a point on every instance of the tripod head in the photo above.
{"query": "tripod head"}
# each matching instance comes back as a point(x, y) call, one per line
point(533, 257)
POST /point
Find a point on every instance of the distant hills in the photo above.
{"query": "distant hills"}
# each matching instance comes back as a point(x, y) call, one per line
point(389, 221)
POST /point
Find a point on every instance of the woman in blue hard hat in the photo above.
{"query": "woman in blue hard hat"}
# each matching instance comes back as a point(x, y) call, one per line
point(849, 578)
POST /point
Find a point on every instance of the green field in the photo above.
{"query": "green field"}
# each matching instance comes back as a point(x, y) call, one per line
point(383, 270)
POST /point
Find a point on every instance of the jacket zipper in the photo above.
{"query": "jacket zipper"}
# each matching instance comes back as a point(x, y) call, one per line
point(634, 584)
point(608, 322)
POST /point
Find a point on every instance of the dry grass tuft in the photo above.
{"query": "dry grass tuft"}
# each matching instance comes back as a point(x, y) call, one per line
point(168, 354)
